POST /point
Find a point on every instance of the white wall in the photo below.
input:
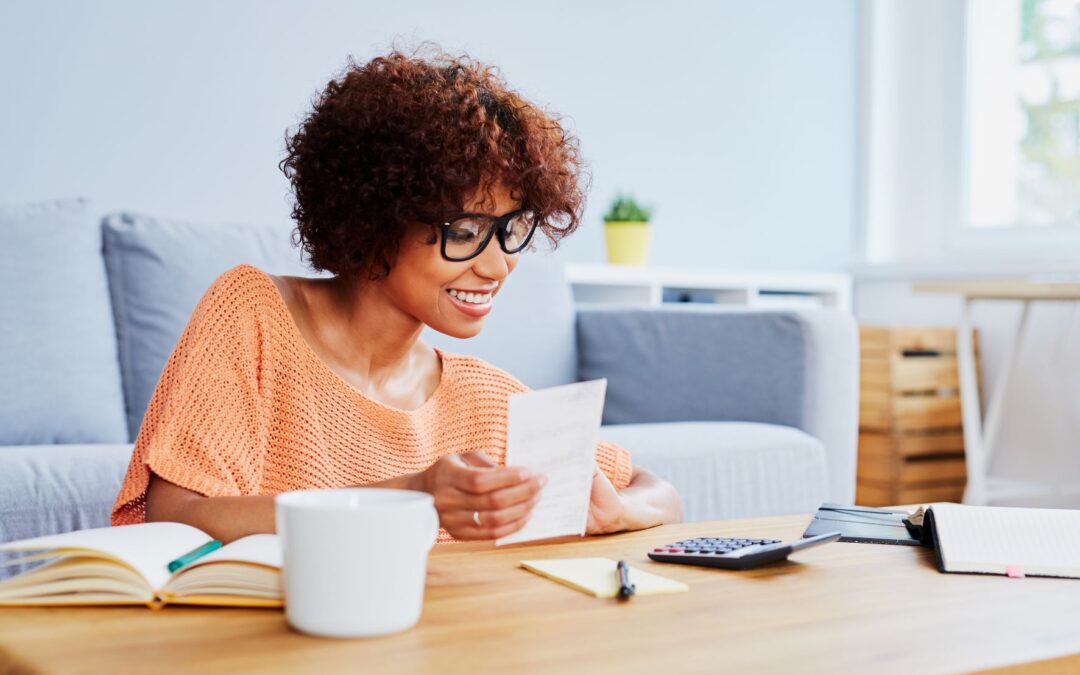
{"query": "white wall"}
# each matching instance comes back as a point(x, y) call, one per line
point(736, 119)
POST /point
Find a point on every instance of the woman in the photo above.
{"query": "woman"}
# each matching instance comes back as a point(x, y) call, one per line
point(418, 184)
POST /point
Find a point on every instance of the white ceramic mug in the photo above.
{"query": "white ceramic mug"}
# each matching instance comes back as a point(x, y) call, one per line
point(355, 558)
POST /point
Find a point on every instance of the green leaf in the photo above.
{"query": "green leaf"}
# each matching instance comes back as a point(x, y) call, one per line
point(625, 209)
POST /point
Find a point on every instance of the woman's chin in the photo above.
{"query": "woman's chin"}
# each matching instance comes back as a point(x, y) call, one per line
point(462, 330)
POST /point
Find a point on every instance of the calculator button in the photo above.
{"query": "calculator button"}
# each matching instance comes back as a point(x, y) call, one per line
point(675, 550)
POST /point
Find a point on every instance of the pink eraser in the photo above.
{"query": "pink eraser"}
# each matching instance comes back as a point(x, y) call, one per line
point(1014, 571)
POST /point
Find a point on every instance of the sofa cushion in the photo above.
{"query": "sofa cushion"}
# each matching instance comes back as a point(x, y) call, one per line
point(58, 359)
point(675, 365)
point(158, 269)
point(48, 489)
point(730, 469)
point(530, 330)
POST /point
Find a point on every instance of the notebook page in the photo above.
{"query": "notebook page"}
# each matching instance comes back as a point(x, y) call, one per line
point(147, 547)
point(554, 432)
point(248, 569)
point(990, 538)
point(260, 549)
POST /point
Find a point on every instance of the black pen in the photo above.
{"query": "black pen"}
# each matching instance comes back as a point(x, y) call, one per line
point(626, 589)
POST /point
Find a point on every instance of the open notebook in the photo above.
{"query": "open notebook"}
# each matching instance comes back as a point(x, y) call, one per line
point(128, 565)
point(1002, 540)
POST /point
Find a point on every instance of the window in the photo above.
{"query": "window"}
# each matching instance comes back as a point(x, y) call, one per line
point(1023, 114)
point(970, 134)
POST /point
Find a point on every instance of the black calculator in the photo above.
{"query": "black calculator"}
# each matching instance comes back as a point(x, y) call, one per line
point(734, 554)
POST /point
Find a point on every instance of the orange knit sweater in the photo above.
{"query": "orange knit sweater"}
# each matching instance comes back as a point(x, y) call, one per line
point(245, 407)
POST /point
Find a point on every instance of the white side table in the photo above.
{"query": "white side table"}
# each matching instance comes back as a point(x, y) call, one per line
point(981, 434)
point(607, 285)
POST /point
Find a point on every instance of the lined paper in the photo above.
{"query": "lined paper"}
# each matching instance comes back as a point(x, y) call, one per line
point(554, 432)
point(990, 539)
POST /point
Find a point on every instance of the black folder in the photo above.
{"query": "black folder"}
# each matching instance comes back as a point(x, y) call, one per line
point(862, 524)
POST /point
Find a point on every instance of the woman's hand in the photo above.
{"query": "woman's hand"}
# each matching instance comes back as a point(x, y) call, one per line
point(606, 506)
point(472, 483)
point(647, 501)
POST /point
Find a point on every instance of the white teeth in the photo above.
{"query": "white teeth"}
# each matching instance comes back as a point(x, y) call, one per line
point(473, 298)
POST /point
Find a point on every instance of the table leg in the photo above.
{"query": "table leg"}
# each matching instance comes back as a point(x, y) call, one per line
point(992, 421)
point(975, 492)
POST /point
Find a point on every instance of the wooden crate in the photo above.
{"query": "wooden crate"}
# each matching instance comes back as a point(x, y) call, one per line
point(911, 443)
point(868, 494)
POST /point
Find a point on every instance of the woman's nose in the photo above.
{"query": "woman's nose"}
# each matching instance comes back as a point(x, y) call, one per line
point(493, 262)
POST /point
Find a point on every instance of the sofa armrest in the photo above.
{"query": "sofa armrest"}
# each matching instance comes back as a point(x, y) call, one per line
point(796, 368)
point(831, 404)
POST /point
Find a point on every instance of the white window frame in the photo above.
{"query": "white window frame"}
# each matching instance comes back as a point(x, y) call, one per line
point(915, 142)
point(963, 238)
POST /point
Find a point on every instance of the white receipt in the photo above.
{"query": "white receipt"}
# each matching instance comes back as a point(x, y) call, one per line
point(554, 432)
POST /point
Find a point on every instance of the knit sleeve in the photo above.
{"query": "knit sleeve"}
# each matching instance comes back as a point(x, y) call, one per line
point(614, 460)
point(206, 427)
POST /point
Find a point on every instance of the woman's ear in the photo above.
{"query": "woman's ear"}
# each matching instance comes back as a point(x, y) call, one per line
point(433, 235)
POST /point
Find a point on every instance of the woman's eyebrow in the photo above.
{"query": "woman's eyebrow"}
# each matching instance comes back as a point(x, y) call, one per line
point(485, 215)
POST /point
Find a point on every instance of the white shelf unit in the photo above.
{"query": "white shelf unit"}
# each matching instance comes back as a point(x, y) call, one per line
point(615, 285)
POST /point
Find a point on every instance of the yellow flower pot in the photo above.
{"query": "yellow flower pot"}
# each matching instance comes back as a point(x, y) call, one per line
point(627, 242)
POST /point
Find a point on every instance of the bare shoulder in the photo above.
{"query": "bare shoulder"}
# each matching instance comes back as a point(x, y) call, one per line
point(305, 298)
point(295, 293)
point(428, 359)
point(283, 286)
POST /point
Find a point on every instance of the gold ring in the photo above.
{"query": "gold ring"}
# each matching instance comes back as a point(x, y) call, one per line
point(476, 518)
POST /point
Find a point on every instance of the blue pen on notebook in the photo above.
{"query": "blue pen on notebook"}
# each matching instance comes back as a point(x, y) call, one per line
point(192, 556)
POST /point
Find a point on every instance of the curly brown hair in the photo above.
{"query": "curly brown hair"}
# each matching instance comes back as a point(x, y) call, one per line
point(404, 139)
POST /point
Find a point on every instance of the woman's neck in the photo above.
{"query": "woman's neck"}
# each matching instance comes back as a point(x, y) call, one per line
point(359, 333)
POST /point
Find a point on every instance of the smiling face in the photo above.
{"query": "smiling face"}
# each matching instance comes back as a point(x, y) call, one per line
point(451, 297)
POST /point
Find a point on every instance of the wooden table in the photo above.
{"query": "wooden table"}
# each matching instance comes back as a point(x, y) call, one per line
point(981, 433)
point(840, 608)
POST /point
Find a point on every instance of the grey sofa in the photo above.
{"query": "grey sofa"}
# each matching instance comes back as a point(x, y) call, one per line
point(747, 413)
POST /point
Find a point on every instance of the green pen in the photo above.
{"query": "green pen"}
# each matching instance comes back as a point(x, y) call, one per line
point(192, 556)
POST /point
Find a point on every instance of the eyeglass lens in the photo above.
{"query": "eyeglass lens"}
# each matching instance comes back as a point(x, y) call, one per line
point(466, 235)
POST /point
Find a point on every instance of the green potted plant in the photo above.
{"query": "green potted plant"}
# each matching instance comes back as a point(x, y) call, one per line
point(626, 232)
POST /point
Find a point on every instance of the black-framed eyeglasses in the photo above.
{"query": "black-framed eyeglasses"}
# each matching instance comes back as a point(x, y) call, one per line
point(467, 235)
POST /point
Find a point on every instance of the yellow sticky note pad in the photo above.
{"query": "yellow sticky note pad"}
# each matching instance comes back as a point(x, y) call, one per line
point(599, 576)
